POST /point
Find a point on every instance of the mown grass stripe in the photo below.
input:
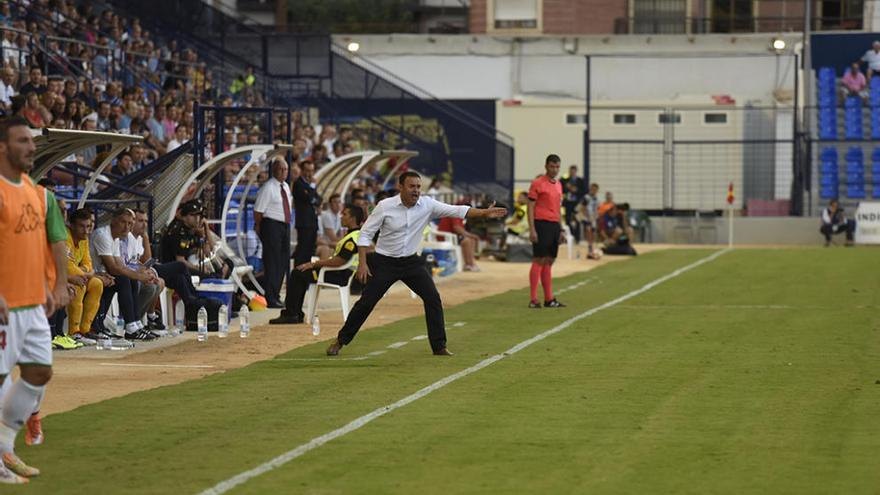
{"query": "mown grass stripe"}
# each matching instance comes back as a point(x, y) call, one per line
point(356, 424)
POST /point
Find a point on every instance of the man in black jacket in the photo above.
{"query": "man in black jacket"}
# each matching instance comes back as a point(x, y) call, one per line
point(306, 202)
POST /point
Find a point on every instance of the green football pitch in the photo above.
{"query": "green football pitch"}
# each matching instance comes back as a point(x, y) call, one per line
point(756, 371)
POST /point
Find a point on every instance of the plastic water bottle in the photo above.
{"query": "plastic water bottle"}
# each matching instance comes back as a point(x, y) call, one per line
point(120, 327)
point(203, 324)
point(179, 318)
point(244, 323)
point(223, 322)
point(316, 326)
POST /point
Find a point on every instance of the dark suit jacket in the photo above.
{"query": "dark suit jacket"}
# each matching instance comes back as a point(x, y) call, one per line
point(306, 202)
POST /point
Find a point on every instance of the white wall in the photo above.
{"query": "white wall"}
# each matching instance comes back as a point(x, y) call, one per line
point(539, 129)
point(467, 66)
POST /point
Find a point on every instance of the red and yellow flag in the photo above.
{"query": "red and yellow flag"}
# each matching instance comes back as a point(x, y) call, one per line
point(730, 195)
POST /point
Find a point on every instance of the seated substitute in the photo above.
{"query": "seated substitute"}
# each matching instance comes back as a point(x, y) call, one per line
point(86, 300)
point(834, 221)
point(307, 273)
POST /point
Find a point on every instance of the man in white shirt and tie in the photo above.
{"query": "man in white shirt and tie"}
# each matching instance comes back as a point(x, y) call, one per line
point(400, 220)
point(272, 225)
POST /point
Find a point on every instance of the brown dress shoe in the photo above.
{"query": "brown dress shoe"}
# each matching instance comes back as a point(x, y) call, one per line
point(334, 348)
point(443, 352)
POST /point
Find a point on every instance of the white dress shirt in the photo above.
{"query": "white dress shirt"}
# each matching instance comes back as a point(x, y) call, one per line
point(400, 228)
point(269, 201)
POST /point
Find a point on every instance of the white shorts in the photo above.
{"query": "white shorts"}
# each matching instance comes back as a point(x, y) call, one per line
point(27, 339)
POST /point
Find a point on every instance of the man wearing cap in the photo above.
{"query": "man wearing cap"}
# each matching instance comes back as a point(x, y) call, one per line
point(183, 237)
point(272, 224)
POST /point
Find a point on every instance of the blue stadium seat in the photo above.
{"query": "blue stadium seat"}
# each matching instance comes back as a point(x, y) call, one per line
point(856, 192)
point(828, 192)
point(830, 152)
point(855, 153)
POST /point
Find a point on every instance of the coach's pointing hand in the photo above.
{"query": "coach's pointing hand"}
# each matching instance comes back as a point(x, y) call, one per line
point(490, 212)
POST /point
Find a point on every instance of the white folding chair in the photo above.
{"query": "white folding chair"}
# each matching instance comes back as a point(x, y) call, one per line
point(314, 289)
point(569, 240)
point(434, 236)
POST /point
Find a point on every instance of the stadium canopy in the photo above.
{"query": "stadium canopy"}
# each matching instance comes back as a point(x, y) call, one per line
point(337, 176)
point(54, 145)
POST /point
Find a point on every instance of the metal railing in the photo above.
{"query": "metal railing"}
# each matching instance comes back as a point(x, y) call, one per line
point(705, 25)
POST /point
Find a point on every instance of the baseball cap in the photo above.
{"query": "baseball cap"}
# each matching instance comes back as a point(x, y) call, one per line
point(191, 207)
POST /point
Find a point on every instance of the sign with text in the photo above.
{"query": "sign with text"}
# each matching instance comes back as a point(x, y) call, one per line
point(868, 223)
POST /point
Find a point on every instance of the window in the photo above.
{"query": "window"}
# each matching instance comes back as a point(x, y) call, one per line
point(714, 118)
point(669, 118)
point(516, 14)
point(659, 16)
point(576, 118)
point(733, 16)
point(624, 118)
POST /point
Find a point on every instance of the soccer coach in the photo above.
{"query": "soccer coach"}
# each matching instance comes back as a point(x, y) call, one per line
point(400, 220)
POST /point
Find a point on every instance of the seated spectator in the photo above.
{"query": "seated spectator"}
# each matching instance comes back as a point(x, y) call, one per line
point(307, 273)
point(7, 89)
point(181, 135)
point(124, 165)
point(86, 300)
point(518, 223)
point(606, 205)
point(330, 223)
point(872, 58)
point(614, 232)
point(35, 83)
point(854, 83)
point(834, 221)
point(466, 240)
point(107, 256)
point(32, 111)
point(186, 240)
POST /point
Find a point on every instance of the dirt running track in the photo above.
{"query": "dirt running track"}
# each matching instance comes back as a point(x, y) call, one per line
point(87, 375)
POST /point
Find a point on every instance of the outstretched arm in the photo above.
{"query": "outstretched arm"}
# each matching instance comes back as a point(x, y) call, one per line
point(491, 212)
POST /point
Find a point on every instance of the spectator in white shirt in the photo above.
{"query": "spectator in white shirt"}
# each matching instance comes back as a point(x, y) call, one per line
point(272, 214)
point(399, 221)
point(181, 135)
point(330, 223)
point(7, 90)
point(872, 58)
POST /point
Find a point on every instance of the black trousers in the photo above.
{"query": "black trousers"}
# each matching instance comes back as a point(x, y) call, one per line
point(275, 237)
point(306, 240)
point(387, 270)
point(177, 278)
point(298, 284)
point(828, 230)
point(127, 290)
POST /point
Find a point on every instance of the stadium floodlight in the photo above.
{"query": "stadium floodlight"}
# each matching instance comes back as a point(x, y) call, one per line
point(354, 46)
point(778, 44)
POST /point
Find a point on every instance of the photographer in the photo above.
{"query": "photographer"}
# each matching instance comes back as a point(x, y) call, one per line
point(834, 221)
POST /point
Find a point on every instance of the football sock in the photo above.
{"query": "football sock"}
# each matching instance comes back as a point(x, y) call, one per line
point(534, 276)
point(547, 282)
point(19, 403)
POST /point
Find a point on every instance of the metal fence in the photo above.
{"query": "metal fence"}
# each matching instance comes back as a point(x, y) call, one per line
point(684, 159)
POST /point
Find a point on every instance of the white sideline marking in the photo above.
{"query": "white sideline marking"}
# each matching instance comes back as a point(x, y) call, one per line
point(376, 353)
point(225, 486)
point(134, 365)
point(397, 345)
point(711, 306)
point(577, 285)
point(459, 324)
point(419, 337)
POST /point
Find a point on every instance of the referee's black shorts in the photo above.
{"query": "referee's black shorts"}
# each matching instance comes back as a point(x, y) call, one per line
point(548, 239)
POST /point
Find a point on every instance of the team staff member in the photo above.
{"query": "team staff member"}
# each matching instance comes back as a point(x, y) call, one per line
point(545, 231)
point(399, 221)
point(307, 273)
point(30, 222)
point(272, 224)
point(306, 202)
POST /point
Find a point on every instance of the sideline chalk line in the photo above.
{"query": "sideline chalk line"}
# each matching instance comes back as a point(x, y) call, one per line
point(229, 484)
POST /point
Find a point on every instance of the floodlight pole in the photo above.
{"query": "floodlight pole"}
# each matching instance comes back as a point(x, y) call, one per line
point(587, 118)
